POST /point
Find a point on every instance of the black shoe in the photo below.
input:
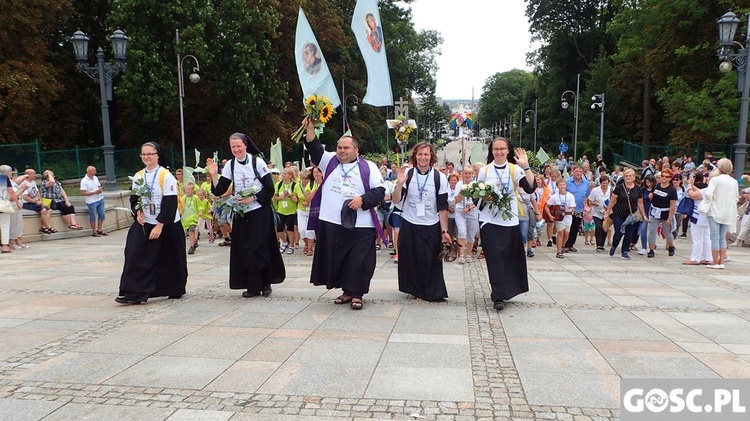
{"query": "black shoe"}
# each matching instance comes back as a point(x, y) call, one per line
point(612, 251)
point(266, 291)
point(549, 243)
point(671, 250)
point(650, 253)
point(248, 294)
point(123, 300)
point(554, 240)
point(174, 297)
point(498, 305)
point(683, 235)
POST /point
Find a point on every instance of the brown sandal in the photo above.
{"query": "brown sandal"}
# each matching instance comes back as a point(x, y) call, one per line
point(356, 305)
point(343, 299)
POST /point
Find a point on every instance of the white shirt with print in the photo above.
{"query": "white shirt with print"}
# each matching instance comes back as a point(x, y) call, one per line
point(151, 180)
point(244, 177)
point(345, 182)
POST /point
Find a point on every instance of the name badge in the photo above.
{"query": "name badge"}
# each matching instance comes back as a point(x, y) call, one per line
point(152, 208)
point(420, 209)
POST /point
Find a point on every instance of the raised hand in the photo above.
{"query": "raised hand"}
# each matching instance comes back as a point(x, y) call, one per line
point(212, 167)
point(521, 158)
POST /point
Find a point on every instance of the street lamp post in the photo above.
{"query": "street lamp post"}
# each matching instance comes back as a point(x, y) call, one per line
point(599, 103)
point(194, 78)
point(727, 55)
point(564, 104)
point(528, 120)
point(103, 73)
point(344, 106)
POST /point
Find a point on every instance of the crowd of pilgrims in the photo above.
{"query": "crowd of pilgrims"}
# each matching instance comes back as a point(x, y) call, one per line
point(343, 209)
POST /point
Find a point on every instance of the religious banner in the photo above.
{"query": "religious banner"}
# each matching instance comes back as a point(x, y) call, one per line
point(369, 34)
point(314, 76)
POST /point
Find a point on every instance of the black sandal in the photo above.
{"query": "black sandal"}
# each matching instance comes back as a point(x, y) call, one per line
point(356, 305)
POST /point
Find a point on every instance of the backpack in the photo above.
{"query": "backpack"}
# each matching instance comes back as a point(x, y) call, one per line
point(411, 174)
point(180, 197)
point(291, 187)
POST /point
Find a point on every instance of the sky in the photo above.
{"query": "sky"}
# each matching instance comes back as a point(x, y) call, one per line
point(480, 38)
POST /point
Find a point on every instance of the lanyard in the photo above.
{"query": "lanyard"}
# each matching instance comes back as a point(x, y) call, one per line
point(424, 185)
point(345, 172)
point(151, 188)
point(500, 178)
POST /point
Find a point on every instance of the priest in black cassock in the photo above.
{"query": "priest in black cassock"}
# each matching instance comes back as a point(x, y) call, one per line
point(155, 261)
point(342, 213)
point(255, 261)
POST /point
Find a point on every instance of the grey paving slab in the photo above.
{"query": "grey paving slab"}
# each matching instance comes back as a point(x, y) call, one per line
point(651, 359)
point(344, 352)
point(721, 328)
point(143, 339)
point(241, 318)
point(602, 324)
point(244, 376)
point(171, 372)
point(200, 415)
point(553, 355)
point(435, 326)
point(73, 367)
point(27, 410)
point(273, 349)
point(573, 389)
point(538, 322)
point(214, 342)
point(422, 355)
point(333, 380)
point(429, 339)
point(93, 412)
point(670, 327)
point(421, 384)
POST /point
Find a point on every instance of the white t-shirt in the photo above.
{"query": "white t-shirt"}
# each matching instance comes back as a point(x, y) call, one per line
point(345, 182)
point(151, 179)
point(452, 193)
point(420, 205)
point(244, 177)
point(499, 179)
point(568, 201)
point(91, 185)
point(461, 204)
point(602, 198)
point(32, 191)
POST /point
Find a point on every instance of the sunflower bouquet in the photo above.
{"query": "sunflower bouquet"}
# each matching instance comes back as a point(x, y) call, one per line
point(319, 110)
point(485, 195)
point(402, 128)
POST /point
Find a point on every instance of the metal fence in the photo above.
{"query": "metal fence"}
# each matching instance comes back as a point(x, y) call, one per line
point(635, 154)
point(72, 163)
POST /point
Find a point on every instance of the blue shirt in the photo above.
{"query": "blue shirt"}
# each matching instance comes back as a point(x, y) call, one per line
point(579, 191)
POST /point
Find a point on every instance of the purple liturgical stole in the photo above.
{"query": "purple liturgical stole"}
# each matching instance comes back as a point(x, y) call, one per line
point(364, 171)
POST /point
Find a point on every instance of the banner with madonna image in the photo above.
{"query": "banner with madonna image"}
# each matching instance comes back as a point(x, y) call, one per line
point(312, 69)
point(369, 33)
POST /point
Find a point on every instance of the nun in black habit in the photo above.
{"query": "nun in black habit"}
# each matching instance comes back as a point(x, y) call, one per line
point(506, 170)
point(155, 260)
point(255, 262)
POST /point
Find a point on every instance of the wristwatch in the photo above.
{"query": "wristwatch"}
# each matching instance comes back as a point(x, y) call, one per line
point(444, 232)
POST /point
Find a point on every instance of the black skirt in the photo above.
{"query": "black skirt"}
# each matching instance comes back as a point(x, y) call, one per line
point(154, 268)
point(344, 258)
point(506, 261)
point(420, 272)
point(255, 261)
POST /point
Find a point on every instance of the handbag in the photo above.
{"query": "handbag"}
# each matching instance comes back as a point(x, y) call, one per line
point(686, 206)
point(607, 224)
point(6, 206)
point(637, 217)
point(705, 205)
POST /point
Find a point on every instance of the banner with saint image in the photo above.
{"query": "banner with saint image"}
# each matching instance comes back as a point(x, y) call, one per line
point(369, 33)
point(314, 76)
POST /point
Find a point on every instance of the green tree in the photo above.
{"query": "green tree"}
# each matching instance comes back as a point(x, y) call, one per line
point(29, 83)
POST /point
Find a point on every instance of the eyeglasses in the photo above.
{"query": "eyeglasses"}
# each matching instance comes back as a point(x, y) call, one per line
point(499, 149)
point(149, 154)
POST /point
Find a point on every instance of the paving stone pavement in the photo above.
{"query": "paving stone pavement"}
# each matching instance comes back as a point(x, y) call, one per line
point(68, 351)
